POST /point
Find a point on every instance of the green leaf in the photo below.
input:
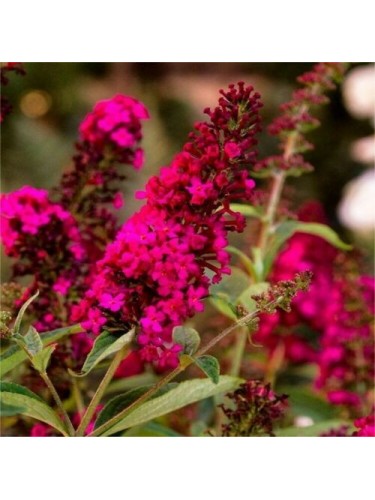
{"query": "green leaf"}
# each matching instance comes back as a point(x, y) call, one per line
point(30, 404)
point(152, 429)
point(106, 344)
point(287, 229)
point(188, 338)
point(119, 403)
point(30, 342)
point(210, 366)
point(14, 356)
point(304, 403)
point(184, 394)
point(9, 410)
point(246, 261)
point(21, 312)
point(325, 232)
point(199, 429)
point(125, 384)
point(312, 430)
point(41, 359)
point(247, 210)
point(223, 305)
point(224, 295)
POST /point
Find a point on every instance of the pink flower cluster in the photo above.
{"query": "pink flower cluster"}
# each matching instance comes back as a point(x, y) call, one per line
point(59, 243)
point(365, 426)
point(330, 325)
point(164, 258)
point(116, 124)
point(110, 135)
point(46, 241)
point(26, 214)
point(346, 355)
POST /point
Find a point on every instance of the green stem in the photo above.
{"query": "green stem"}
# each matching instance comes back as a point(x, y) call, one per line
point(77, 395)
point(58, 401)
point(187, 361)
point(274, 364)
point(278, 181)
point(238, 351)
point(100, 390)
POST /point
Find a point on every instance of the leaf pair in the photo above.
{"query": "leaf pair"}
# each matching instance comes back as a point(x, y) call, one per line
point(14, 356)
point(190, 340)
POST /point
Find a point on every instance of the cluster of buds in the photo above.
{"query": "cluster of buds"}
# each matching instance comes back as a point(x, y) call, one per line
point(296, 120)
point(256, 409)
point(281, 294)
point(5, 320)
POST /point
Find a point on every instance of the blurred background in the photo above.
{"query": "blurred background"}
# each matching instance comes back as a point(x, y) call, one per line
point(51, 100)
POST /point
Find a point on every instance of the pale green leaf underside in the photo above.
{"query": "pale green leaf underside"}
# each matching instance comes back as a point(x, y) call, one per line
point(186, 393)
point(14, 395)
point(106, 344)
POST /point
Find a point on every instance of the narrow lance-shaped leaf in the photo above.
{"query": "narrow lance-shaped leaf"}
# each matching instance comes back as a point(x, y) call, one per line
point(184, 394)
point(14, 356)
point(247, 210)
point(287, 229)
point(246, 261)
point(21, 312)
point(106, 344)
point(122, 401)
point(14, 395)
point(152, 429)
point(7, 410)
